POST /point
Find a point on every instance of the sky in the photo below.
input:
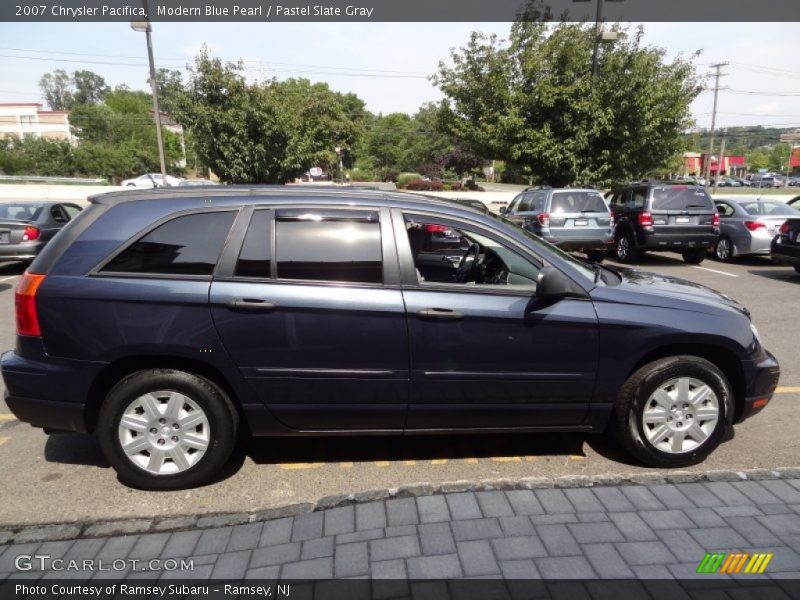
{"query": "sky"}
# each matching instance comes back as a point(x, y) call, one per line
point(388, 64)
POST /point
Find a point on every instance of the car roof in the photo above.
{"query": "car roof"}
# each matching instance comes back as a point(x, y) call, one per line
point(260, 194)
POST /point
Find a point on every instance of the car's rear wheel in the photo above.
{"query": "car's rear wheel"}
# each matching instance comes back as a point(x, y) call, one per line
point(694, 256)
point(163, 429)
point(723, 250)
point(625, 248)
point(673, 412)
point(596, 256)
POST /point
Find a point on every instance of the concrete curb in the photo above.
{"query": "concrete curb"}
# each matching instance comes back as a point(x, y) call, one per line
point(68, 531)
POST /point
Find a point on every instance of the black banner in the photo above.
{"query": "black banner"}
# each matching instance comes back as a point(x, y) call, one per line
point(400, 10)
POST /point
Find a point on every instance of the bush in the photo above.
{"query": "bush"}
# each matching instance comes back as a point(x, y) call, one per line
point(473, 187)
point(403, 179)
point(361, 175)
point(420, 185)
point(389, 174)
point(456, 186)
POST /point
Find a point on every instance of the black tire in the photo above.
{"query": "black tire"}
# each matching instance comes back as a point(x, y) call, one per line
point(222, 418)
point(723, 249)
point(596, 256)
point(625, 248)
point(797, 269)
point(694, 256)
point(627, 423)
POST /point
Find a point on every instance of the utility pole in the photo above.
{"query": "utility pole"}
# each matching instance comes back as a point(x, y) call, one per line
point(717, 75)
point(721, 160)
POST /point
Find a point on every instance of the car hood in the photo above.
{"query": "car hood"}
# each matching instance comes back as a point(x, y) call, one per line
point(663, 290)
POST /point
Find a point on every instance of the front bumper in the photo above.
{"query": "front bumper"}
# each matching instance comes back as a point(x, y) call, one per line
point(761, 378)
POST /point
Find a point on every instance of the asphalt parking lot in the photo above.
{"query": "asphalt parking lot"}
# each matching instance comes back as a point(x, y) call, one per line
point(64, 478)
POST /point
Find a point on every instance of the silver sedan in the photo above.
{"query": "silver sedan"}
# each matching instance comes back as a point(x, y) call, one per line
point(747, 225)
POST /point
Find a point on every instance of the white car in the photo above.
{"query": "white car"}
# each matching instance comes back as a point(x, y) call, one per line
point(151, 180)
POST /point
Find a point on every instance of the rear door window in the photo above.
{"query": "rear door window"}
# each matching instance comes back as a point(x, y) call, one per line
point(187, 245)
point(329, 245)
point(578, 202)
point(681, 197)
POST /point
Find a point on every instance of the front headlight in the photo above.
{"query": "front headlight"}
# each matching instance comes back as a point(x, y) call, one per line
point(756, 334)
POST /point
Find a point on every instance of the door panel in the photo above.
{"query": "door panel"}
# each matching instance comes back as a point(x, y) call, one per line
point(501, 362)
point(323, 356)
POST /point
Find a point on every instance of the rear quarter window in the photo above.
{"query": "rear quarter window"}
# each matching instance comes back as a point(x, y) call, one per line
point(186, 245)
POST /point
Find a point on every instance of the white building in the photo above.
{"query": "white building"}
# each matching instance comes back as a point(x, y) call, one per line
point(21, 119)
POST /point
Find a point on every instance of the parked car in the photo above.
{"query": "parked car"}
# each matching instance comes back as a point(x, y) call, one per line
point(747, 226)
point(785, 249)
point(766, 182)
point(196, 182)
point(663, 217)
point(743, 182)
point(151, 180)
point(728, 182)
point(26, 227)
point(572, 219)
point(794, 202)
point(168, 327)
point(793, 181)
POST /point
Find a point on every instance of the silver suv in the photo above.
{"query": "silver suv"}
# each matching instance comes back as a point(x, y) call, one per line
point(572, 219)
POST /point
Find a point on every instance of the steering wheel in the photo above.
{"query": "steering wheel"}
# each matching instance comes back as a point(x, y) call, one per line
point(465, 266)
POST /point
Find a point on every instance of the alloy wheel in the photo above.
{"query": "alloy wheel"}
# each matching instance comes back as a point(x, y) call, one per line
point(723, 249)
point(164, 432)
point(680, 415)
point(623, 247)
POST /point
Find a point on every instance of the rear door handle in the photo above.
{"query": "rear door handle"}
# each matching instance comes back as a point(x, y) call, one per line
point(251, 305)
point(444, 314)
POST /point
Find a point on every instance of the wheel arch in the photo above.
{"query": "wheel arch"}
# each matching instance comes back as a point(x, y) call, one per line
point(723, 358)
point(122, 367)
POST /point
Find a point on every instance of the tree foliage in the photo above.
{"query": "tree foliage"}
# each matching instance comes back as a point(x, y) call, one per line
point(533, 101)
point(263, 132)
point(56, 89)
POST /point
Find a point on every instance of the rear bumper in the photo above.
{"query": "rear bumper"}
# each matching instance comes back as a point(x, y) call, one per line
point(23, 251)
point(679, 241)
point(785, 254)
point(761, 378)
point(49, 393)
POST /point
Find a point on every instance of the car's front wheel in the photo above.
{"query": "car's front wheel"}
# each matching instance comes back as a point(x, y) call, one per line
point(673, 412)
point(163, 429)
point(694, 256)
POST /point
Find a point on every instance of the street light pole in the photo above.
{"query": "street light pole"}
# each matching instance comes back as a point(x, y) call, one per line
point(598, 24)
point(147, 28)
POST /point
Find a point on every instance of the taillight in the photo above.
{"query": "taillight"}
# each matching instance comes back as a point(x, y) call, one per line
point(715, 220)
point(645, 219)
point(436, 228)
point(544, 219)
point(754, 225)
point(25, 303)
point(611, 219)
point(31, 233)
point(785, 227)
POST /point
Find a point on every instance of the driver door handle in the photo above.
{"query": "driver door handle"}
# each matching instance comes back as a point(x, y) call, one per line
point(251, 305)
point(442, 314)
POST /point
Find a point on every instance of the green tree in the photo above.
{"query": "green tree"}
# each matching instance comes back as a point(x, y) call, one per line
point(779, 158)
point(533, 102)
point(267, 132)
point(56, 89)
point(757, 159)
point(90, 88)
point(171, 89)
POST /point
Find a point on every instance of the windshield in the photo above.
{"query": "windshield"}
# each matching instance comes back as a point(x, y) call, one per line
point(769, 208)
point(20, 212)
point(546, 247)
point(578, 202)
point(680, 197)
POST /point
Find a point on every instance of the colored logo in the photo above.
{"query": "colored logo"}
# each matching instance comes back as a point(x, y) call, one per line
point(734, 562)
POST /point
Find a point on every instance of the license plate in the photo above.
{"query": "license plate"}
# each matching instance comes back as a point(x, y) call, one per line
point(682, 219)
point(581, 222)
point(5, 237)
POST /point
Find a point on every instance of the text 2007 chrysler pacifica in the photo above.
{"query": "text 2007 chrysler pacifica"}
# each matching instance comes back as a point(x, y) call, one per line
point(169, 322)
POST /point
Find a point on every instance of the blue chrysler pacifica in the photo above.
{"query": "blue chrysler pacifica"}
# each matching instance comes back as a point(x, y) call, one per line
point(170, 322)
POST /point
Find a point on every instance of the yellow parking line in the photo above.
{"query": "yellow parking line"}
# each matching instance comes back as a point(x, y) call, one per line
point(788, 390)
point(3, 440)
point(300, 466)
point(382, 463)
point(409, 463)
point(439, 461)
point(506, 459)
point(346, 465)
point(471, 461)
point(7, 417)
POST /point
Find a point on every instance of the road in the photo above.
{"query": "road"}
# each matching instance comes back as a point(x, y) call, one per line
point(64, 477)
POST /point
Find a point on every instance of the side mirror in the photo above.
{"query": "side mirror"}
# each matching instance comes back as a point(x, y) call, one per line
point(503, 210)
point(552, 285)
